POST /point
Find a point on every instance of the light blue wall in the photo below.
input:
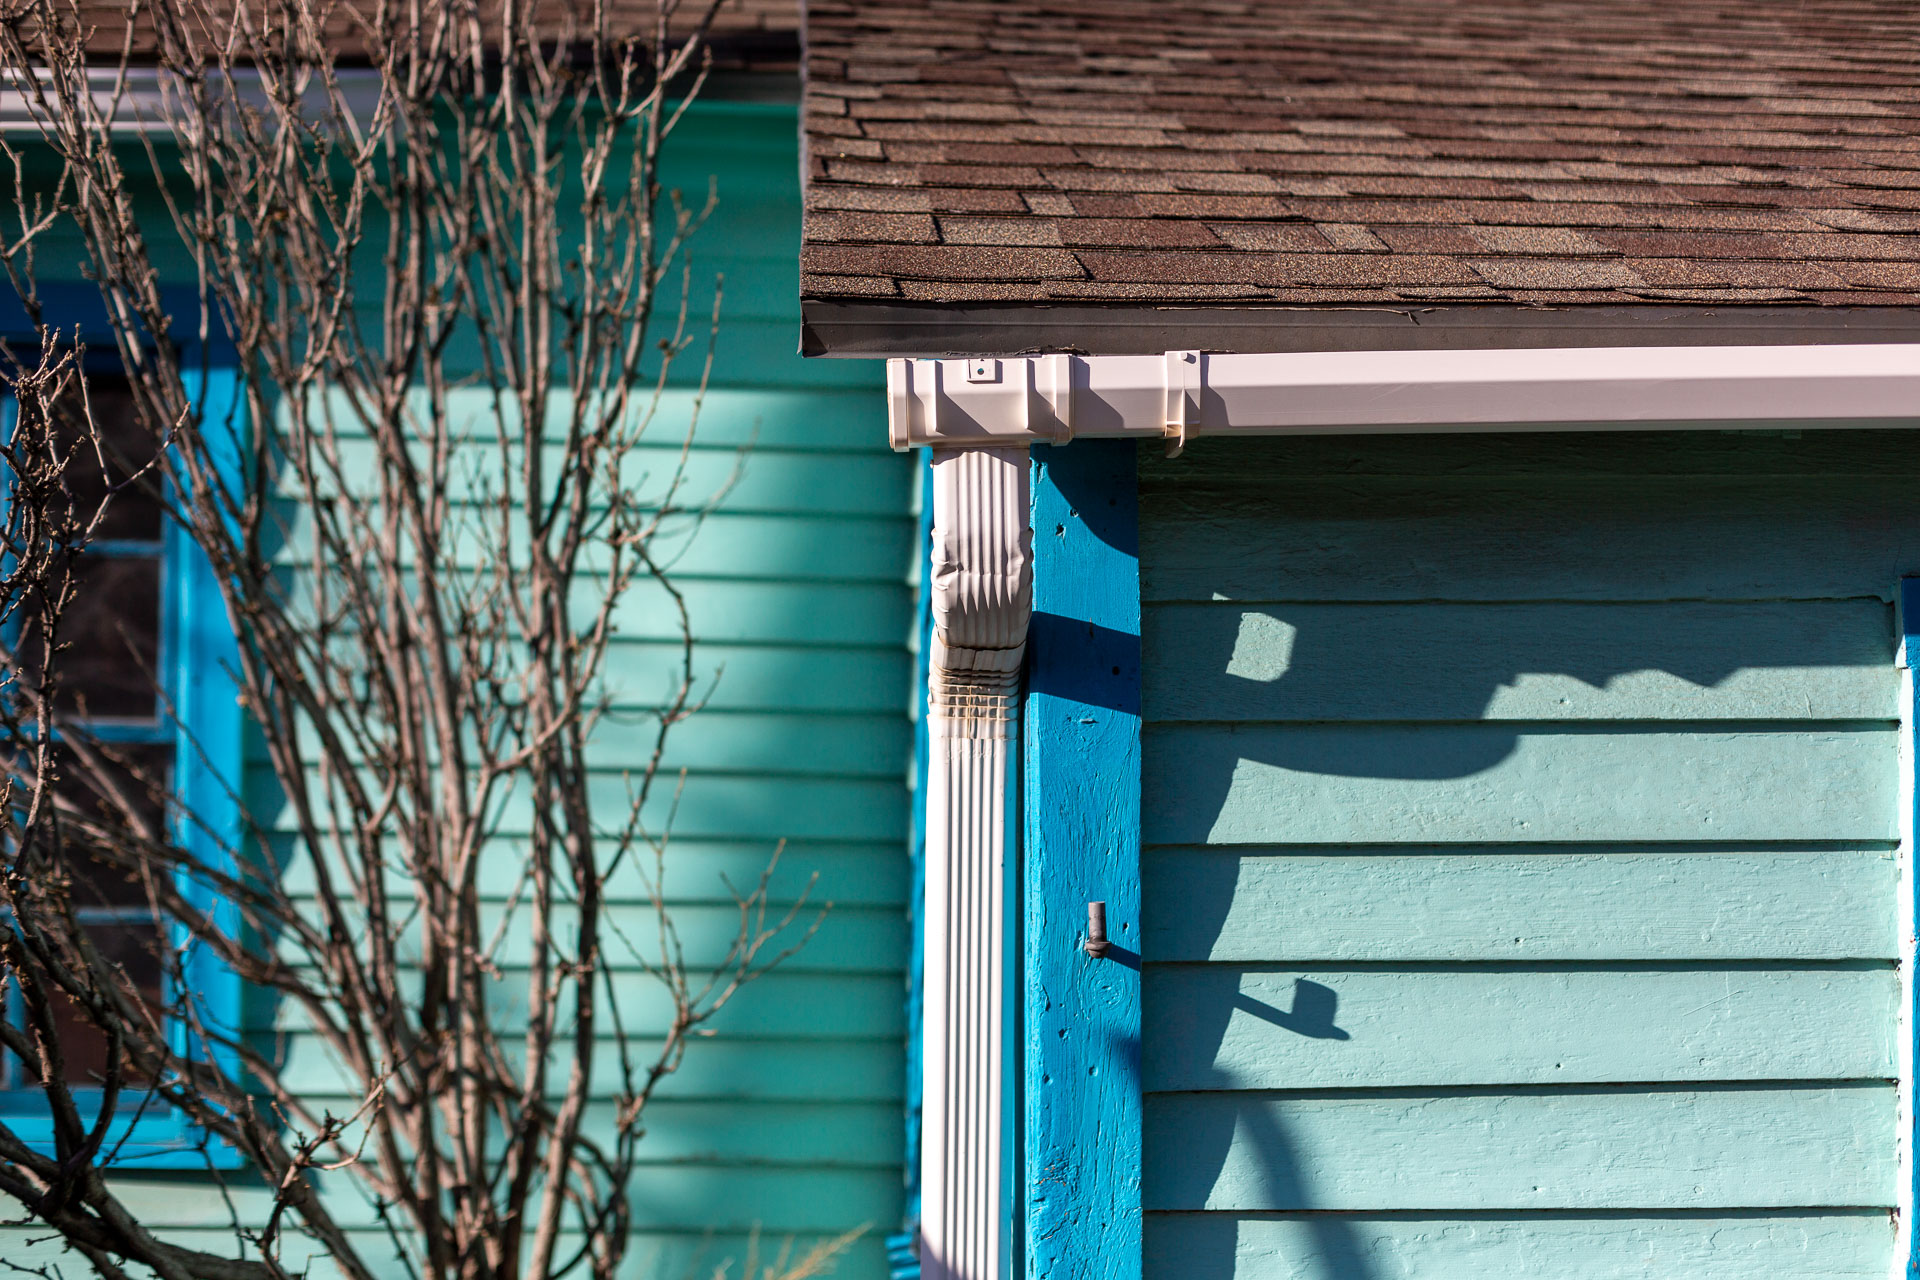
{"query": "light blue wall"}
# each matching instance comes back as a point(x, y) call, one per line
point(789, 1121)
point(1521, 853)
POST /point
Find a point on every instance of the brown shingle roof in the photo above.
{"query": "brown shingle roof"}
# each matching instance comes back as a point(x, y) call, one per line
point(1298, 152)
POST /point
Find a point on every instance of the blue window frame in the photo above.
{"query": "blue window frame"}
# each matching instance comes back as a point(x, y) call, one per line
point(195, 723)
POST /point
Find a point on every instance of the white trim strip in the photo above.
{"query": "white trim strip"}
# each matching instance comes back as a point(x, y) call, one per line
point(1184, 394)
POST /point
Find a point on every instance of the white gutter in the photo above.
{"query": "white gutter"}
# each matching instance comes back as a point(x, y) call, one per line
point(1183, 394)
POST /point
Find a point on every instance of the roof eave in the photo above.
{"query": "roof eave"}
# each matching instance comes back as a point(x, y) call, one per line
point(873, 330)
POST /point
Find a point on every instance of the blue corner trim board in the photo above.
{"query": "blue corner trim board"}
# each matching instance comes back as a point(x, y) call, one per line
point(1910, 646)
point(903, 1263)
point(209, 732)
point(1081, 1096)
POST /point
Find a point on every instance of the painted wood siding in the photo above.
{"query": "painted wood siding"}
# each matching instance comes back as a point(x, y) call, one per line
point(1521, 856)
point(788, 1121)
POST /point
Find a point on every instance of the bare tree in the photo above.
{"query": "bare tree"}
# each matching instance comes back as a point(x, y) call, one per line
point(428, 511)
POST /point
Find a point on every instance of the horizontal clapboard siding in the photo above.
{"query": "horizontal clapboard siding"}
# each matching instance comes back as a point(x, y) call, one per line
point(788, 1120)
point(1834, 1245)
point(1521, 855)
point(1449, 903)
point(1525, 662)
point(1480, 782)
point(738, 1066)
point(1653, 538)
point(651, 1253)
point(1398, 1027)
point(1524, 1149)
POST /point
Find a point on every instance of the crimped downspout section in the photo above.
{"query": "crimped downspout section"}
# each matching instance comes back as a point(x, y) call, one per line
point(982, 596)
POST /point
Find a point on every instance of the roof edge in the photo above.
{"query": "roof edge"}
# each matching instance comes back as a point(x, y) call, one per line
point(876, 330)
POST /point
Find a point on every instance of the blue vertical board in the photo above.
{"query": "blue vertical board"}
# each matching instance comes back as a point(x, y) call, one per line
point(902, 1262)
point(1081, 799)
point(1909, 653)
point(204, 665)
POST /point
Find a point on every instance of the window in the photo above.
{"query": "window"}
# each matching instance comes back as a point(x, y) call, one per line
point(148, 612)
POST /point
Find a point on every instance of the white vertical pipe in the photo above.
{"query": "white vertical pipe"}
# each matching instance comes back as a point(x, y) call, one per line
point(982, 595)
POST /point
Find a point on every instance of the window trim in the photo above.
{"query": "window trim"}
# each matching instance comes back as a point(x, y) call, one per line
point(199, 655)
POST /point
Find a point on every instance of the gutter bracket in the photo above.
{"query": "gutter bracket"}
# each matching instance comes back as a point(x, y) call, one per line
point(1054, 376)
point(1183, 381)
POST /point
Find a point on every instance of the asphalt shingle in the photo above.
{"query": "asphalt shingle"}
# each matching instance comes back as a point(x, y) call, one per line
point(1551, 152)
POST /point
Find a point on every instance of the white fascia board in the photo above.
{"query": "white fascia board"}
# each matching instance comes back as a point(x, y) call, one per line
point(1185, 394)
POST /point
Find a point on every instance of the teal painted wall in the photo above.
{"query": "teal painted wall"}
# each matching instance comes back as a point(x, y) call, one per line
point(789, 1121)
point(1521, 856)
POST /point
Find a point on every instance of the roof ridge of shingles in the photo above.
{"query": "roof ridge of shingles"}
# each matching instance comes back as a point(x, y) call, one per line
point(1364, 151)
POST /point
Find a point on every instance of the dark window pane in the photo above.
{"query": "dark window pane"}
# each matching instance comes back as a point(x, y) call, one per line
point(133, 947)
point(138, 779)
point(107, 895)
point(127, 447)
point(108, 641)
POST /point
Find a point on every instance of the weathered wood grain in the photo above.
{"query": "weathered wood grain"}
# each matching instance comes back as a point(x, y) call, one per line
point(1703, 1246)
point(1082, 1031)
point(1219, 1027)
point(1248, 784)
point(1385, 904)
point(1757, 1146)
point(1824, 660)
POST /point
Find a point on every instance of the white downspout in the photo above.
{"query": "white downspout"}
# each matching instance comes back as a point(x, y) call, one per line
point(982, 596)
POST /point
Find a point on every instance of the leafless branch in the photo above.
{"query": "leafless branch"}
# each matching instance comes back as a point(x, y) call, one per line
point(452, 299)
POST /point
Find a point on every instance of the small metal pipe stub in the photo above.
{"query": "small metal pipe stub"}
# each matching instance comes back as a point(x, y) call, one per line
point(1097, 944)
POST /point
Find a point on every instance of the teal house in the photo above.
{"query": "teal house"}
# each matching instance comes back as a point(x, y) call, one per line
point(1329, 589)
point(1421, 726)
